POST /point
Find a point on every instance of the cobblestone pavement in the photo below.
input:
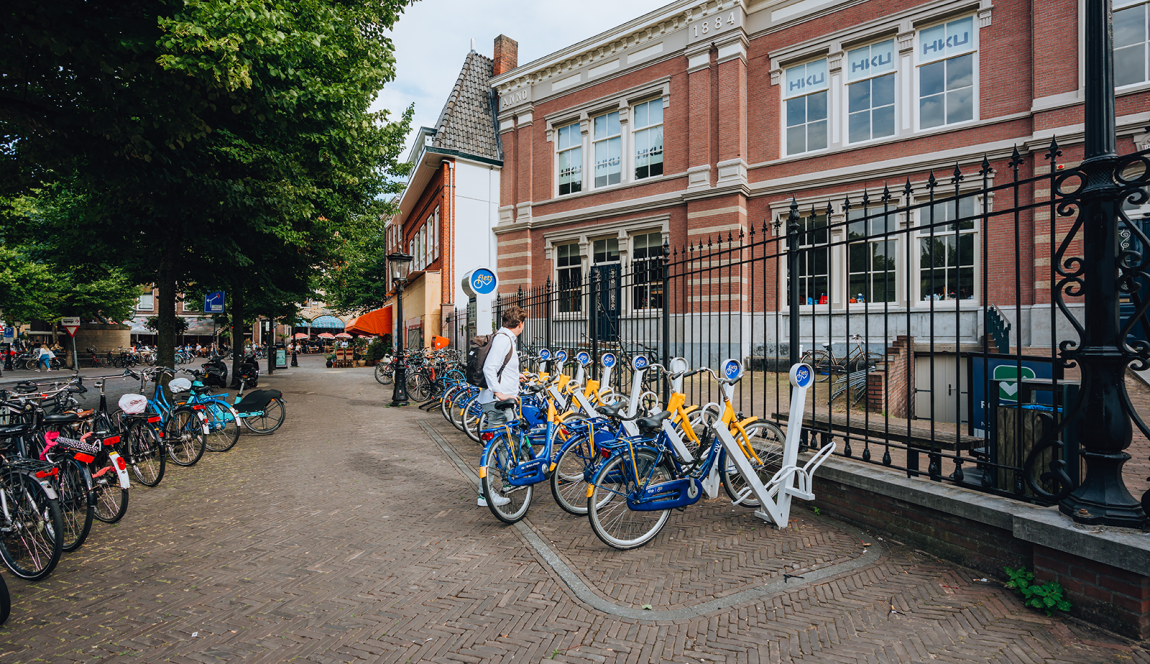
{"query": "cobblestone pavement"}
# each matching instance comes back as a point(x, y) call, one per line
point(350, 535)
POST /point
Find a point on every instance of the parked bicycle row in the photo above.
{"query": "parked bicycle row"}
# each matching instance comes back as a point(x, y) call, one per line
point(63, 466)
point(624, 461)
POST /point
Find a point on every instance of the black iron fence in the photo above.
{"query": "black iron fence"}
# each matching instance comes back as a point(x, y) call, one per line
point(942, 317)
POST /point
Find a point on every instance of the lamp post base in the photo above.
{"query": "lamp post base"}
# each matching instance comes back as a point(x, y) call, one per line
point(1103, 497)
point(399, 394)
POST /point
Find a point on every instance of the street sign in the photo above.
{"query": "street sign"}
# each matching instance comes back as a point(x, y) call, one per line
point(9, 332)
point(480, 281)
point(214, 302)
point(71, 325)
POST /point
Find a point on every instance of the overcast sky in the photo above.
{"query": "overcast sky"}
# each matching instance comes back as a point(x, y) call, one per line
point(434, 36)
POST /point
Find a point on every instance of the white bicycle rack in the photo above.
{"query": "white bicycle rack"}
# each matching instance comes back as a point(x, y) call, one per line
point(790, 481)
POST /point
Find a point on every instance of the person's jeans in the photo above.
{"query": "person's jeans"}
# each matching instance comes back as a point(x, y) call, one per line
point(495, 417)
point(44, 362)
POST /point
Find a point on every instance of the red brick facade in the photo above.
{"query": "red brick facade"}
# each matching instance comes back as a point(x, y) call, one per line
point(725, 161)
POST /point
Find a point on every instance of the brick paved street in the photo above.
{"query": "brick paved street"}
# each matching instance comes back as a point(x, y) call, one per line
point(350, 535)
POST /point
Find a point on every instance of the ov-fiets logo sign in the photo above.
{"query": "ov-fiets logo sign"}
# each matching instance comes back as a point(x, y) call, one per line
point(483, 281)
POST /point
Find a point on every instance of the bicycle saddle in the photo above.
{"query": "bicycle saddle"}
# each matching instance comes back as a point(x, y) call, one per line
point(62, 418)
point(505, 404)
point(612, 409)
point(653, 423)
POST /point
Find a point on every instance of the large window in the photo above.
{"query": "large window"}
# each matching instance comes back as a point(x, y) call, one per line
point(607, 146)
point(648, 127)
point(813, 261)
point(870, 92)
point(947, 250)
point(1131, 34)
point(147, 302)
point(570, 159)
point(806, 102)
point(648, 267)
point(946, 73)
point(870, 256)
point(569, 277)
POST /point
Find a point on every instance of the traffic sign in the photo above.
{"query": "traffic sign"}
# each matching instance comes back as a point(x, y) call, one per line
point(71, 325)
point(9, 332)
point(214, 302)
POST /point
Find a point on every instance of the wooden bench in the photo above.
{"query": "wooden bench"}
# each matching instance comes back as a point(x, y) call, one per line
point(905, 434)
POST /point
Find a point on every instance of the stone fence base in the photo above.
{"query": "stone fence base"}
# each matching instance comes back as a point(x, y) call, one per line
point(1105, 571)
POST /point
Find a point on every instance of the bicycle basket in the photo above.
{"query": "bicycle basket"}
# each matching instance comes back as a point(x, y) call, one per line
point(133, 404)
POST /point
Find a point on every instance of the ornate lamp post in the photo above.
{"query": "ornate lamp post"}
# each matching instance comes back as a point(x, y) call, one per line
point(399, 263)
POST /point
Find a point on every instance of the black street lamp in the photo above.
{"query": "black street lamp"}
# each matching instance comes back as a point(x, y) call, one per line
point(399, 263)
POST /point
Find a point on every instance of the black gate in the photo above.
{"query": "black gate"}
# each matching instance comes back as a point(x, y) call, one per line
point(606, 300)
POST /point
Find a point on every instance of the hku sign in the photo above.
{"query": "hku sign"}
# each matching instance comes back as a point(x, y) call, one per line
point(480, 281)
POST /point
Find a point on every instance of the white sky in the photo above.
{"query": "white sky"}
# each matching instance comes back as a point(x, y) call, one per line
point(433, 37)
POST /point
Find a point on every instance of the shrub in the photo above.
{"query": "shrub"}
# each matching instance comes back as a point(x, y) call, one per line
point(376, 350)
point(1047, 598)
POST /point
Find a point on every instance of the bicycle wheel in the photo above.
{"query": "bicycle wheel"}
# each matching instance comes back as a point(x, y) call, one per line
point(146, 454)
point(576, 462)
point(459, 407)
point(184, 434)
point(30, 545)
point(866, 361)
point(612, 519)
point(471, 419)
point(445, 401)
point(111, 501)
point(508, 503)
point(384, 373)
point(76, 508)
point(821, 362)
point(271, 419)
point(223, 426)
point(766, 440)
point(417, 387)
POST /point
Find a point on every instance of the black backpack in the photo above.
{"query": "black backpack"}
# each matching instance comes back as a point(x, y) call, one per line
point(477, 356)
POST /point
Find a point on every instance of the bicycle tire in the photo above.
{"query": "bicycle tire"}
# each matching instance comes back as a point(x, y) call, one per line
point(111, 501)
point(184, 437)
point(73, 488)
point(445, 401)
point(499, 461)
point(459, 407)
point(822, 363)
point(417, 386)
point(767, 441)
point(146, 454)
point(612, 520)
point(384, 374)
point(223, 426)
point(31, 557)
point(471, 419)
point(273, 418)
point(572, 468)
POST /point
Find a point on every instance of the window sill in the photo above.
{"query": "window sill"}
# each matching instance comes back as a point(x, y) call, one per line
point(1133, 88)
point(609, 188)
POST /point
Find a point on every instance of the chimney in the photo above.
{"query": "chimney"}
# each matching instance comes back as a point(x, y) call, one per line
point(506, 55)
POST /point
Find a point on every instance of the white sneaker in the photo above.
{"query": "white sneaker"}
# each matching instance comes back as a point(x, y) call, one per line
point(500, 501)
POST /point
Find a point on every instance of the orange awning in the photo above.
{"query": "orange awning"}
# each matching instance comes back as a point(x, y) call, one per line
point(378, 323)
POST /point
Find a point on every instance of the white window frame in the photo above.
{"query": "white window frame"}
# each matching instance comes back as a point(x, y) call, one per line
point(1130, 4)
point(652, 103)
point(786, 97)
point(847, 82)
point(917, 234)
point(140, 302)
point(832, 253)
point(435, 232)
point(579, 265)
point(633, 248)
point(575, 126)
point(620, 121)
point(896, 237)
point(918, 63)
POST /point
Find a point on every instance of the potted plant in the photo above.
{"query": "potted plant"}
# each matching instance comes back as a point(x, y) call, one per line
point(330, 357)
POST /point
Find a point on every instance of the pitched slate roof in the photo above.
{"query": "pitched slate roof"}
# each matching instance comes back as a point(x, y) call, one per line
point(466, 123)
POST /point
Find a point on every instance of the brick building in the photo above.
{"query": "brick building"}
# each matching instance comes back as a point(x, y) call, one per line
point(704, 118)
point(450, 205)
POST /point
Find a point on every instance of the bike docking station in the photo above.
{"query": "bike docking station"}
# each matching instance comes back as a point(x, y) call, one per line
point(790, 481)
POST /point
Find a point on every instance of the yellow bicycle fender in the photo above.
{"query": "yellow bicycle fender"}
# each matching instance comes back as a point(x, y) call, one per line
point(749, 420)
point(482, 472)
point(690, 409)
point(590, 489)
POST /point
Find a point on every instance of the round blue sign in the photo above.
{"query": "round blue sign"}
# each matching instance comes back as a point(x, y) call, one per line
point(583, 358)
point(608, 360)
point(732, 369)
point(803, 376)
point(482, 281)
point(545, 355)
point(639, 363)
point(561, 355)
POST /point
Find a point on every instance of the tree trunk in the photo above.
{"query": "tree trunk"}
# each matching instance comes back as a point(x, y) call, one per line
point(237, 332)
point(166, 311)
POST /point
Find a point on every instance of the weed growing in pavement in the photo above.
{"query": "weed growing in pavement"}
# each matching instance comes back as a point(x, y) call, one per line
point(817, 512)
point(1047, 598)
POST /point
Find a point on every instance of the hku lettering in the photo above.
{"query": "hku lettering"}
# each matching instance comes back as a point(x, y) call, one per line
point(813, 81)
point(953, 41)
point(876, 62)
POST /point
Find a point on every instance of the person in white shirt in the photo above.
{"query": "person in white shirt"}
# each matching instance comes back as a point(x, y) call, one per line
point(501, 371)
